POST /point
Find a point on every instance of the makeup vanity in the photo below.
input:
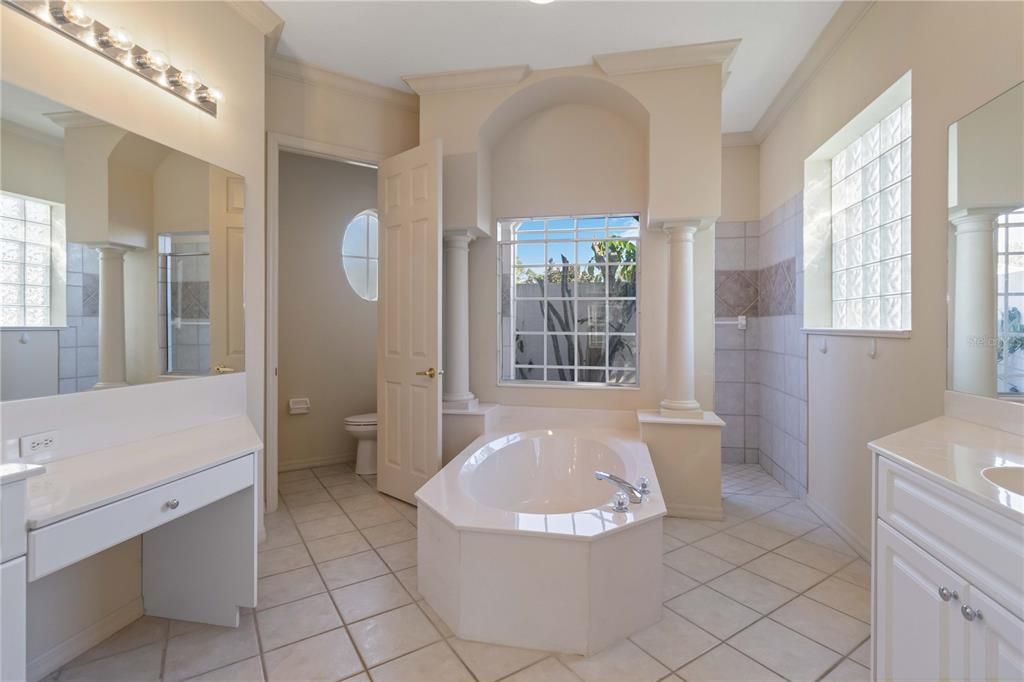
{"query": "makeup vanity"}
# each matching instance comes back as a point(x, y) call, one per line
point(190, 494)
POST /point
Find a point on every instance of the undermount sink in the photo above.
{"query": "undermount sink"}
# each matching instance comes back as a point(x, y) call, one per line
point(1008, 478)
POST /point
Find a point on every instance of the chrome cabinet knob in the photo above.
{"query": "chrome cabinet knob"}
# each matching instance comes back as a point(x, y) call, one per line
point(945, 594)
point(969, 613)
point(620, 502)
point(172, 504)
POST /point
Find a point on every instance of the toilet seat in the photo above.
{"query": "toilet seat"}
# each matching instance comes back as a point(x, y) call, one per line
point(369, 419)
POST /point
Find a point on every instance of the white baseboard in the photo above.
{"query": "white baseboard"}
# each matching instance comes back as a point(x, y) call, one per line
point(689, 511)
point(840, 528)
point(310, 462)
point(65, 652)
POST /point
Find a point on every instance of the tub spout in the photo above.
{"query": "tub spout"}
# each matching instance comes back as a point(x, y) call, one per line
point(636, 495)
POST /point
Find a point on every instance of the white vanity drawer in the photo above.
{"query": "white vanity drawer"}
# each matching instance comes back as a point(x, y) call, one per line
point(984, 547)
point(61, 544)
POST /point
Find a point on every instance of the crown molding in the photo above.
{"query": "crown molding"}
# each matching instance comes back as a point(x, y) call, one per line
point(259, 15)
point(744, 139)
point(470, 79)
point(843, 22)
point(23, 131)
point(75, 119)
point(315, 76)
point(664, 58)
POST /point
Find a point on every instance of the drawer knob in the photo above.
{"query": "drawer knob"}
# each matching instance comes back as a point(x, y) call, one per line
point(172, 504)
point(969, 613)
point(946, 594)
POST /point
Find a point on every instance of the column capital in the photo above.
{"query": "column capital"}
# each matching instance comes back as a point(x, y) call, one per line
point(685, 226)
point(976, 219)
point(459, 239)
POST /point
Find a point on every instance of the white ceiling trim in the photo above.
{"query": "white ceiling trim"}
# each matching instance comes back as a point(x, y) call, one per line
point(469, 79)
point(664, 58)
point(838, 28)
point(314, 75)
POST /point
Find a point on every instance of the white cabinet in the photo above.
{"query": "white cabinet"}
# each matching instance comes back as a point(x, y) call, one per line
point(919, 632)
point(939, 558)
point(997, 641)
point(12, 620)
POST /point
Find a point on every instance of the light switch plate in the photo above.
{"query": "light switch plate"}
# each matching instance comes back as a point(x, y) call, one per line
point(39, 445)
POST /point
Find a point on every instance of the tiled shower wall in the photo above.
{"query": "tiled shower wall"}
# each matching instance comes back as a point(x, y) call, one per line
point(78, 355)
point(736, 293)
point(780, 361)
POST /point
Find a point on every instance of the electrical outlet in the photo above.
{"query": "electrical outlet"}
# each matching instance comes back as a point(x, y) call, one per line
point(39, 445)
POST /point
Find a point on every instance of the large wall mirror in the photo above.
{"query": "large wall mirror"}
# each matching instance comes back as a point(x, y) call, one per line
point(986, 213)
point(120, 258)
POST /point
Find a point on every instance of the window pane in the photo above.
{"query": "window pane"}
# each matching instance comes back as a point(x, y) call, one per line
point(622, 282)
point(622, 351)
point(37, 234)
point(37, 274)
point(561, 349)
point(561, 374)
point(591, 350)
point(355, 270)
point(561, 252)
point(371, 280)
point(530, 316)
point(371, 236)
point(592, 317)
point(529, 282)
point(592, 376)
point(592, 282)
point(560, 281)
point(12, 207)
point(354, 243)
point(10, 294)
point(37, 212)
point(529, 349)
point(529, 253)
point(12, 229)
point(11, 251)
point(560, 316)
point(37, 254)
point(622, 316)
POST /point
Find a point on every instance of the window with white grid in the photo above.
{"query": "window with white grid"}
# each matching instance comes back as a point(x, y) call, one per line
point(26, 227)
point(871, 227)
point(568, 288)
point(1010, 302)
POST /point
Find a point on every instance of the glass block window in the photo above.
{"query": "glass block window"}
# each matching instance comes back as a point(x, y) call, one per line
point(871, 227)
point(1010, 303)
point(568, 288)
point(359, 254)
point(25, 245)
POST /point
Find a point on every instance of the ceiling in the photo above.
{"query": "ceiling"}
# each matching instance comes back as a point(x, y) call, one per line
point(382, 41)
point(29, 110)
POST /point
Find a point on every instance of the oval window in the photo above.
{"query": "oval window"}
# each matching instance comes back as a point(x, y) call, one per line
point(359, 254)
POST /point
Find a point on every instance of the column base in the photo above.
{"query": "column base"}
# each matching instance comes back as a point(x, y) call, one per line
point(460, 403)
point(682, 409)
point(100, 385)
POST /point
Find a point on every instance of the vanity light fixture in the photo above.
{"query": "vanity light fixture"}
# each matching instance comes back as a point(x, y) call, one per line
point(73, 21)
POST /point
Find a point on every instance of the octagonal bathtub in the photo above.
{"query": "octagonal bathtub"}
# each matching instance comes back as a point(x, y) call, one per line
point(519, 544)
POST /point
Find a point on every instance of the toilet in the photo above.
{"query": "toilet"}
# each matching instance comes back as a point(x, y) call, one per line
point(363, 428)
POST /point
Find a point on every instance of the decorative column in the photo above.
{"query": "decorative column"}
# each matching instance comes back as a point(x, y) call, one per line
point(680, 392)
point(974, 302)
point(457, 395)
point(112, 341)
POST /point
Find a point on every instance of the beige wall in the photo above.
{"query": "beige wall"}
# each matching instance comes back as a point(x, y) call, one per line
point(554, 125)
point(322, 106)
point(327, 333)
point(962, 54)
point(740, 184)
point(229, 52)
point(31, 164)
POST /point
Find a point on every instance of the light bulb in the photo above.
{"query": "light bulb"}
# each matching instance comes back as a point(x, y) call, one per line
point(157, 61)
point(121, 39)
point(70, 13)
point(190, 80)
point(74, 13)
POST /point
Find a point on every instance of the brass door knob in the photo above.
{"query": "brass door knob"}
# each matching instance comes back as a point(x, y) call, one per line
point(427, 373)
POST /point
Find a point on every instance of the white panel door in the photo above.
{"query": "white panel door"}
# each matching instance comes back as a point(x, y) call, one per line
point(918, 634)
point(409, 321)
point(997, 641)
point(227, 326)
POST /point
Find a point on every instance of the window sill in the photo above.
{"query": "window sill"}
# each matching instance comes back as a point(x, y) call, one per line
point(33, 329)
point(565, 386)
point(868, 333)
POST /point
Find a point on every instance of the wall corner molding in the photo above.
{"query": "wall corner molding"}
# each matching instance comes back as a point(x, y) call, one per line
point(259, 15)
point(308, 74)
point(666, 58)
point(843, 22)
point(74, 119)
point(470, 79)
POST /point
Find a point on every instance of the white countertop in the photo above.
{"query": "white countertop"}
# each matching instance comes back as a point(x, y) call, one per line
point(16, 471)
point(77, 484)
point(953, 453)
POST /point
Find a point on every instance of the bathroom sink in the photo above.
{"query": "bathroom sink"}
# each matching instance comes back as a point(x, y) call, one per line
point(1008, 478)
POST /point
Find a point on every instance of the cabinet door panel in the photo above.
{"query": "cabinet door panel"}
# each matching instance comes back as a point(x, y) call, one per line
point(997, 641)
point(918, 636)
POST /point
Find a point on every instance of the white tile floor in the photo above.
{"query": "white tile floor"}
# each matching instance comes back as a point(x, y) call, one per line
point(768, 593)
